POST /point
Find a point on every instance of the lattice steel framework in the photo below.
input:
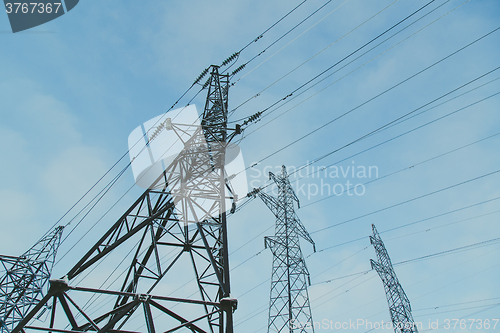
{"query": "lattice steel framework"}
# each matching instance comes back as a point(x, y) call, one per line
point(25, 279)
point(171, 233)
point(399, 304)
point(289, 307)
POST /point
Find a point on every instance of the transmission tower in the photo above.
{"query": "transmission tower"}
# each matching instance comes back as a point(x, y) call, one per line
point(289, 308)
point(173, 231)
point(399, 305)
point(25, 279)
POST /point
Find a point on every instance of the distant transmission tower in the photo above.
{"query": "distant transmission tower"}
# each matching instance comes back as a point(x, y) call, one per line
point(399, 305)
point(25, 279)
point(289, 307)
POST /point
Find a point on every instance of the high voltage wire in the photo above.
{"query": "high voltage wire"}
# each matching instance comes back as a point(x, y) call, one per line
point(467, 316)
point(413, 165)
point(408, 118)
point(456, 310)
point(338, 62)
point(266, 112)
point(373, 98)
point(253, 69)
point(406, 168)
point(429, 256)
point(392, 123)
point(454, 304)
point(408, 201)
point(272, 26)
point(420, 221)
point(307, 164)
point(349, 73)
point(379, 129)
point(342, 293)
point(285, 34)
point(262, 309)
point(399, 136)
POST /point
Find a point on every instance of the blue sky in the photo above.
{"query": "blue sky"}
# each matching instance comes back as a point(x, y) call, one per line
point(72, 90)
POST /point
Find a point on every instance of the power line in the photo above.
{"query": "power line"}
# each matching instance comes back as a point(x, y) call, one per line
point(272, 26)
point(348, 63)
point(376, 96)
point(340, 61)
point(410, 200)
point(385, 176)
point(407, 168)
point(422, 220)
point(381, 127)
point(429, 256)
point(411, 166)
point(282, 77)
point(454, 304)
point(280, 38)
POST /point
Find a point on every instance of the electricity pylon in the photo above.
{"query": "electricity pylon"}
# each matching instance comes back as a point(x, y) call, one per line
point(399, 304)
point(289, 307)
point(25, 279)
point(169, 230)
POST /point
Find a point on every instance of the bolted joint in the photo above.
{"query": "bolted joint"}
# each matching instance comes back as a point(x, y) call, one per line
point(228, 304)
point(143, 298)
point(59, 285)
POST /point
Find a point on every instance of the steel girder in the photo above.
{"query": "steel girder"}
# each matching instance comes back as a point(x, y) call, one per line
point(399, 304)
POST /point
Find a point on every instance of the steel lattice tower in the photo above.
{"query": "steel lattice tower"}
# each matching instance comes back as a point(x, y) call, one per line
point(25, 279)
point(399, 304)
point(289, 307)
point(172, 234)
